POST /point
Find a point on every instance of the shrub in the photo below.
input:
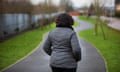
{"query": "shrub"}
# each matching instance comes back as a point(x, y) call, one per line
point(5, 32)
point(117, 14)
point(17, 29)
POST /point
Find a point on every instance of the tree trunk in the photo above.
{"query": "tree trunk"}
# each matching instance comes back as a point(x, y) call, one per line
point(30, 20)
point(104, 36)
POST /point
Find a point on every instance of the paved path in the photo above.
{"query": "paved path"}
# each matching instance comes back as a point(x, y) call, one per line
point(92, 61)
point(39, 61)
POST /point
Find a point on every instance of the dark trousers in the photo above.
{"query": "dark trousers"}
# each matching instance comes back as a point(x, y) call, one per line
point(57, 69)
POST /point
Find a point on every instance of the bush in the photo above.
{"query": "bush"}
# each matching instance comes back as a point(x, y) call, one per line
point(5, 32)
point(117, 14)
point(33, 25)
point(17, 29)
point(45, 21)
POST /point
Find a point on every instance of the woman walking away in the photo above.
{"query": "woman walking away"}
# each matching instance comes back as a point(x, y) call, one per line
point(63, 46)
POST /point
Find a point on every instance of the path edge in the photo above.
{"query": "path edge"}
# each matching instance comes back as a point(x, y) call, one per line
point(31, 52)
point(106, 68)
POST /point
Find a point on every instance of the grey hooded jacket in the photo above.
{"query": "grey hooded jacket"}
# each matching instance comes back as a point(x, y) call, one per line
point(63, 47)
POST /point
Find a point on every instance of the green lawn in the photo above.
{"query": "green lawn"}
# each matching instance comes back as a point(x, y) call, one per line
point(91, 20)
point(110, 48)
point(19, 46)
point(75, 24)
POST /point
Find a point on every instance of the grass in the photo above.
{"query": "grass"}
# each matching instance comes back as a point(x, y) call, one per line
point(84, 18)
point(110, 48)
point(75, 24)
point(19, 46)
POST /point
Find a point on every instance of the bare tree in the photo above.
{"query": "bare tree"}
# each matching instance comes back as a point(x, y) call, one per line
point(29, 12)
point(17, 15)
point(98, 11)
point(68, 7)
point(62, 5)
point(47, 8)
point(24, 13)
point(1, 6)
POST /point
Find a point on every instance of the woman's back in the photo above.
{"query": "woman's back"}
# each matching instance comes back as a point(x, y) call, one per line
point(61, 48)
point(60, 37)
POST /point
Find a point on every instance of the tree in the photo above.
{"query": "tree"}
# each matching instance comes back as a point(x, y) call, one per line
point(29, 10)
point(23, 14)
point(117, 10)
point(98, 11)
point(46, 8)
point(1, 6)
point(68, 7)
point(16, 8)
point(62, 5)
point(91, 9)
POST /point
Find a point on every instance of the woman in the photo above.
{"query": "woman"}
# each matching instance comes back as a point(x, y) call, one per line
point(63, 46)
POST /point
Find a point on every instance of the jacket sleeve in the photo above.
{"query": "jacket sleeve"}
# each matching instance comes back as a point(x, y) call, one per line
point(47, 45)
point(75, 47)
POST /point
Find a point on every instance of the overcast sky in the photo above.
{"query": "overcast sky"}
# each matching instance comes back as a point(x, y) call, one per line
point(76, 3)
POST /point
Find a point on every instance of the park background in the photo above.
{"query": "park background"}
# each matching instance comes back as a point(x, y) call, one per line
point(24, 22)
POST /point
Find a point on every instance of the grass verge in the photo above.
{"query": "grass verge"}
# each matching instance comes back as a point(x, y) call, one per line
point(110, 48)
point(89, 19)
point(75, 24)
point(17, 47)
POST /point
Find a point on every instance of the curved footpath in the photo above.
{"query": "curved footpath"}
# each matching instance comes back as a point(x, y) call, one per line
point(38, 61)
point(92, 61)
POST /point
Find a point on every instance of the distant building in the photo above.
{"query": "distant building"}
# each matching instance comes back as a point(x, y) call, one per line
point(74, 13)
point(117, 7)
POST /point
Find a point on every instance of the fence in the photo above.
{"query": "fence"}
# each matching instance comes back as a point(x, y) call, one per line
point(11, 23)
